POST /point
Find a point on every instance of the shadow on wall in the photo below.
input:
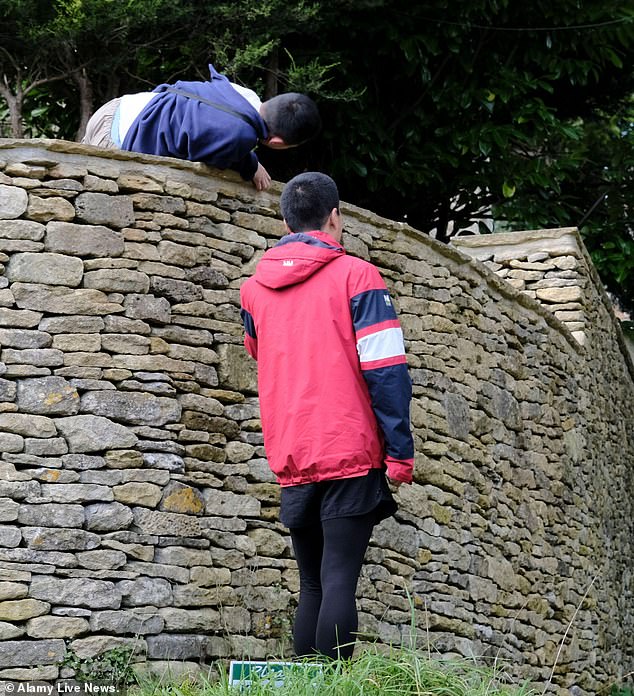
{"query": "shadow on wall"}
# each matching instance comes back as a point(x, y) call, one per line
point(137, 505)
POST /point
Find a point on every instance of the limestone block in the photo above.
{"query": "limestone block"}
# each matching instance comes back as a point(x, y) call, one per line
point(146, 494)
point(72, 325)
point(63, 300)
point(13, 202)
point(20, 610)
point(117, 280)
point(176, 291)
point(49, 208)
point(82, 592)
point(102, 559)
point(107, 517)
point(180, 498)
point(164, 460)
point(175, 647)
point(156, 592)
point(560, 294)
point(11, 443)
point(47, 396)
point(24, 338)
point(56, 539)
point(8, 510)
point(78, 342)
point(8, 631)
point(166, 523)
point(183, 557)
point(268, 543)
point(124, 459)
point(102, 209)
point(236, 370)
point(39, 357)
point(147, 307)
point(138, 408)
point(47, 447)
point(21, 653)
point(10, 537)
point(199, 620)
point(27, 425)
point(13, 590)
point(22, 229)
point(76, 492)
point(86, 433)
point(132, 621)
point(83, 240)
point(204, 576)
point(51, 515)
point(227, 504)
point(45, 268)
point(81, 462)
point(20, 318)
point(56, 627)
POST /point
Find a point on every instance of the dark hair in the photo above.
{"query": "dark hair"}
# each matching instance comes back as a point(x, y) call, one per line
point(293, 117)
point(307, 201)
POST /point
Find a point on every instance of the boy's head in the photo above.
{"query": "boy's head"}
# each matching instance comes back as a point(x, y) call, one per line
point(310, 201)
point(291, 118)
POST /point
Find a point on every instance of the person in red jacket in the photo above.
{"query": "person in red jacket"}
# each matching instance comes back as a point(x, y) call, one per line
point(334, 395)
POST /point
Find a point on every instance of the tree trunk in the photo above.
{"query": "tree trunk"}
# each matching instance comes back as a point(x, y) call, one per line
point(271, 86)
point(86, 100)
point(15, 103)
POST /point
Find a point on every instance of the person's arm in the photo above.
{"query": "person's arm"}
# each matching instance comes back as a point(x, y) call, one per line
point(384, 366)
point(250, 336)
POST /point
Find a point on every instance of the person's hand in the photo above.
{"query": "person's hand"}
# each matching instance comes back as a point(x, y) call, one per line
point(262, 179)
point(394, 485)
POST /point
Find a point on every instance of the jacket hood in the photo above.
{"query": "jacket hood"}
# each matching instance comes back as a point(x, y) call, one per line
point(295, 258)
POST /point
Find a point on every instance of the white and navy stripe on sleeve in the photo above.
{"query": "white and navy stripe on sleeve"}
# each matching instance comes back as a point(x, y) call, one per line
point(383, 363)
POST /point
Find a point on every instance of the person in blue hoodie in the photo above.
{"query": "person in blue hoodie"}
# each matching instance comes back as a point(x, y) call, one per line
point(216, 122)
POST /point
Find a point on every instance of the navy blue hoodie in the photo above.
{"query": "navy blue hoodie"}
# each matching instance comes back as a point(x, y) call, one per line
point(176, 126)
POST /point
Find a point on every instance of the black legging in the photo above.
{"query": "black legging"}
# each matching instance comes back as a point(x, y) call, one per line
point(329, 556)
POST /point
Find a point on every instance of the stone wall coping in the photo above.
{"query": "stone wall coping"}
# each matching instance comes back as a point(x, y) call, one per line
point(529, 238)
point(30, 150)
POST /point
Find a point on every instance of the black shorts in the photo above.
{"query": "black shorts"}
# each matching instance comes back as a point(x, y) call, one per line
point(310, 503)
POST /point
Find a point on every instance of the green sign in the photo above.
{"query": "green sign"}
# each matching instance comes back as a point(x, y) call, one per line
point(244, 672)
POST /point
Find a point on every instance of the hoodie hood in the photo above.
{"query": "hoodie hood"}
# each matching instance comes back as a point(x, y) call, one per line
point(295, 258)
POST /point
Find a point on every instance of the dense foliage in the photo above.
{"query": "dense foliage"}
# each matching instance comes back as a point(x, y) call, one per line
point(499, 114)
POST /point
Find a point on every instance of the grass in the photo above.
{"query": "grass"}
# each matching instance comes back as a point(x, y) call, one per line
point(398, 672)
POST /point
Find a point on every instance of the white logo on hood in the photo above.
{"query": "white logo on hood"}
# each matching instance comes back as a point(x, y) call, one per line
point(287, 262)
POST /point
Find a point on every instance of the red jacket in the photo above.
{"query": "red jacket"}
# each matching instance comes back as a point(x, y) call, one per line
point(332, 374)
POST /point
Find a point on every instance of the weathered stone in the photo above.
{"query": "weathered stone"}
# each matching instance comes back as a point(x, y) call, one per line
point(20, 610)
point(12, 590)
point(20, 653)
point(101, 209)
point(148, 307)
point(9, 631)
point(8, 510)
point(176, 290)
point(57, 539)
point(83, 240)
point(46, 209)
point(117, 280)
point(56, 627)
point(62, 300)
point(13, 202)
point(180, 498)
point(102, 559)
point(27, 425)
point(134, 622)
point(146, 494)
point(84, 592)
point(86, 433)
point(236, 370)
point(45, 447)
point(106, 517)
point(49, 269)
point(47, 396)
point(132, 407)
point(51, 515)
point(166, 523)
point(225, 503)
point(155, 592)
point(11, 443)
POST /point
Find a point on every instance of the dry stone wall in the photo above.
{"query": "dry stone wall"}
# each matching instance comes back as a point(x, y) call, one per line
point(136, 503)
